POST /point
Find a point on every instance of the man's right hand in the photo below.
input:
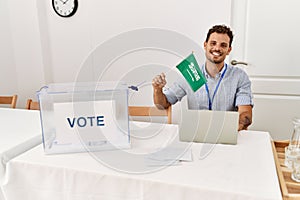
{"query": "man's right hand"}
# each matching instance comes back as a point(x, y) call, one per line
point(160, 100)
point(159, 81)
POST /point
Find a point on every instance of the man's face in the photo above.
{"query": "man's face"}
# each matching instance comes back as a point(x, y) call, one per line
point(217, 47)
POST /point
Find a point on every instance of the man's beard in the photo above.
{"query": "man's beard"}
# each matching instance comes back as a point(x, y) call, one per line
point(215, 61)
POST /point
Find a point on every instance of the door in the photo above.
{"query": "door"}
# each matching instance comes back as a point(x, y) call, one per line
point(267, 40)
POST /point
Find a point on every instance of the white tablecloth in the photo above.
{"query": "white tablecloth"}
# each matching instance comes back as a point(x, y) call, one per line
point(243, 171)
point(20, 130)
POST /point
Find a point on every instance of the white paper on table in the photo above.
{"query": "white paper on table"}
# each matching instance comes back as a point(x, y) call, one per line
point(152, 162)
point(172, 153)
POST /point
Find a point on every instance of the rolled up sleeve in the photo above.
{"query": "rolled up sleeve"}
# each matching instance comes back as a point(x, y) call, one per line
point(175, 93)
point(244, 94)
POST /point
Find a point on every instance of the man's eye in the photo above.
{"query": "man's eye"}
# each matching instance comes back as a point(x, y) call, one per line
point(224, 45)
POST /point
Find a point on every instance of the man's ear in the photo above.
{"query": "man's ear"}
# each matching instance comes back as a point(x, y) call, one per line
point(229, 50)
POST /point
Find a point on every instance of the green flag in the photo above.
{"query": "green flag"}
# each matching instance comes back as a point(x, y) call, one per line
point(189, 68)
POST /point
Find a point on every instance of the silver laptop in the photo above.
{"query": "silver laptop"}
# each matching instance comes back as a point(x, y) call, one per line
point(209, 126)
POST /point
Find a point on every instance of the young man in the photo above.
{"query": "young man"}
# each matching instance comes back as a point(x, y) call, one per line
point(228, 88)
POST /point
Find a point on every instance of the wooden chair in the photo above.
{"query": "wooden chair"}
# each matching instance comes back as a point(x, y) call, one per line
point(32, 105)
point(12, 100)
point(150, 111)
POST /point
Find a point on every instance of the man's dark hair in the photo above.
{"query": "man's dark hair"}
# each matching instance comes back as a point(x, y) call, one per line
point(220, 29)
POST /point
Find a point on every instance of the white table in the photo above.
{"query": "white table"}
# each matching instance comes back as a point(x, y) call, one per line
point(243, 171)
point(20, 130)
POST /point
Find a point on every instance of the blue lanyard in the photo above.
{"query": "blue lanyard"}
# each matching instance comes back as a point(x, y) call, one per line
point(210, 101)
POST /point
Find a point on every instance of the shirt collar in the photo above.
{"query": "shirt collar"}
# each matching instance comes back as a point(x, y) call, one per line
point(208, 76)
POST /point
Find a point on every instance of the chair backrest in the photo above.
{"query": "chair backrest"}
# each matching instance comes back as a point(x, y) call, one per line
point(12, 100)
point(32, 105)
point(150, 111)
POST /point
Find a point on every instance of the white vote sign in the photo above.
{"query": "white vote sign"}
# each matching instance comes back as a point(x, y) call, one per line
point(90, 123)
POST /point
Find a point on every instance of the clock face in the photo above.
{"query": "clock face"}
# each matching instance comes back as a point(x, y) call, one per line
point(65, 8)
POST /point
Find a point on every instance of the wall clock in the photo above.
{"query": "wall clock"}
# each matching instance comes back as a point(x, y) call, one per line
point(65, 8)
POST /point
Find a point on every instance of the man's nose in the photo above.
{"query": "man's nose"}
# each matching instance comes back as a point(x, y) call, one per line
point(217, 47)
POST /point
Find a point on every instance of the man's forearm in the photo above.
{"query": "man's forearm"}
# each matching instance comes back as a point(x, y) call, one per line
point(160, 99)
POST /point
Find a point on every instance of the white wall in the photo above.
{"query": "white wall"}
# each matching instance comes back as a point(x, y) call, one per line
point(40, 48)
point(70, 41)
point(7, 62)
point(20, 50)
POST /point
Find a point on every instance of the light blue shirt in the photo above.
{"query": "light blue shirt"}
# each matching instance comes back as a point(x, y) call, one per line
point(234, 90)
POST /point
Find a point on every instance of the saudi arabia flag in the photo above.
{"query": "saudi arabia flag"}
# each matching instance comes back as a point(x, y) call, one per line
point(189, 68)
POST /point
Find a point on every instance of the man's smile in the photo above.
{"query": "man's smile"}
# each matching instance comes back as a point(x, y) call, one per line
point(216, 53)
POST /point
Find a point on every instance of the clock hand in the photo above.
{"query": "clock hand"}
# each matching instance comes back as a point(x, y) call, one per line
point(66, 1)
point(62, 1)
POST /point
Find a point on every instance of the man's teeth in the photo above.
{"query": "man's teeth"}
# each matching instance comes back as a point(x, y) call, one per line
point(215, 53)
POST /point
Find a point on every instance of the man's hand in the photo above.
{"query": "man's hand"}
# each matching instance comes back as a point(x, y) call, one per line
point(159, 81)
point(159, 98)
point(245, 118)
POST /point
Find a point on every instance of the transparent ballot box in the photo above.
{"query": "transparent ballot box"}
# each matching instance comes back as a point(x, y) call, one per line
point(79, 117)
